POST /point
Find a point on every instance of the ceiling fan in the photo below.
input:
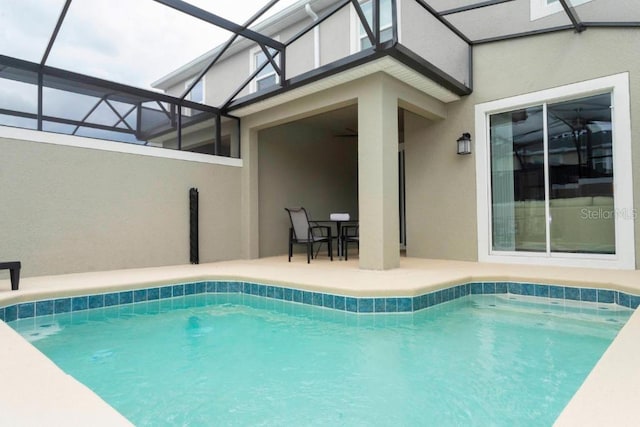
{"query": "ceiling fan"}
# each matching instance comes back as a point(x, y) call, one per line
point(348, 133)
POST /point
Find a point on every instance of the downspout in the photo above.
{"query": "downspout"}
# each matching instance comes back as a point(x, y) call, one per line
point(316, 35)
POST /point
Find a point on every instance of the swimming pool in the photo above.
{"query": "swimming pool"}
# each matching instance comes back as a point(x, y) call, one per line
point(240, 359)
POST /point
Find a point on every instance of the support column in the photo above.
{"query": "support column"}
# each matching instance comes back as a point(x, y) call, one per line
point(378, 175)
point(249, 198)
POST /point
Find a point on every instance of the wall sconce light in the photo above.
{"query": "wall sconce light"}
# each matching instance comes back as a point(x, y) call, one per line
point(464, 143)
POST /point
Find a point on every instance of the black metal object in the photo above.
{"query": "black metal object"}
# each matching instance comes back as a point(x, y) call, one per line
point(388, 48)
point(56, 30)
point(218, 136)
point(604, 24)
point(311, 237)
point(14, 272)
point(221, 22)
point(139, 99)
point(147, 114)
point(194, 249)
point(394, 22)
point(584, 25)
point(375, 9)
point(371, 33)
point(573, 16)
point(349, 234)
point(226, 46)
point(524, 34)
point(443, 20)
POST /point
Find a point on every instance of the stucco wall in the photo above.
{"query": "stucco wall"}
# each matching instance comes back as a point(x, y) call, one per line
point(335, 33)
point(441, 199)
point(440, 188)
point(67, 209)
point(299, 166)
point(421, 32)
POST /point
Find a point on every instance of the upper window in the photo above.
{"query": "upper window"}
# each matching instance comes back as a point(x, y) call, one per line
point(549, 172)
point(386, 30)
point(197, 93)
point(267, 77)
point(542, 8)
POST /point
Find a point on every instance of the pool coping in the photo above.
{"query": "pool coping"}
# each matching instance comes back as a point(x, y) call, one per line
point(359, 305)
point(590, 405)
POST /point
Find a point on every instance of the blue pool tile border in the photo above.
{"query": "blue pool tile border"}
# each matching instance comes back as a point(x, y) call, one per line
point(364, 305)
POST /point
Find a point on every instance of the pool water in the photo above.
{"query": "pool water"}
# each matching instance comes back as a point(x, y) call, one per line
point(234, 359)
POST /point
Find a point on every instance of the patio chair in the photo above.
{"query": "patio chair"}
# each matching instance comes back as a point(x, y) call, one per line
point(308, 233)
point(349, 234)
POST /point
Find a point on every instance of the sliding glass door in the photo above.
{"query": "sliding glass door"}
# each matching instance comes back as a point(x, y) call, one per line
point(552, 178)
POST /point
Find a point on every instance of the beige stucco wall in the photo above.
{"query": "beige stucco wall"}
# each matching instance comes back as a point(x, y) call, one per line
point(335, 36)
point(418, 29)
point(441, 199)
point(300, 56)
point(301, 166)
point(226, 76)
point(67, 209)
point(440, 188)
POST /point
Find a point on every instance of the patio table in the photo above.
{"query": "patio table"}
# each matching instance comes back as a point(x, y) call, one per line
point(338, 223)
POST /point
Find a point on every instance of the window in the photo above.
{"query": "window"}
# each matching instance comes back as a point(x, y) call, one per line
point(542, 8)
point(546, 173)
point(197, 93)
point(267, 77)
point(386, 29)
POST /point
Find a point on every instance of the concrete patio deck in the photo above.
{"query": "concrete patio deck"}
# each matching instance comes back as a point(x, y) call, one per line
point(41, 394)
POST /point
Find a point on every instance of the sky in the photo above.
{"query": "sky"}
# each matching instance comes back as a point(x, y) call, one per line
point(134, 42)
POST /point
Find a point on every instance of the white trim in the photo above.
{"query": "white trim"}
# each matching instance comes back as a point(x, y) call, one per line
point(624, 258)
point(113, 146)
point(541, 8)
point(316, 46)
point(316, 35)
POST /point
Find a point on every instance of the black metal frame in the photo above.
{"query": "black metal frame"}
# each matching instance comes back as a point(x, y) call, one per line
point(573, 16)
point(311, 238)
point(106, 92)
point(378, 50)
point(349, 234)
point(14, 272)
point(275, 51)
point(194, 246)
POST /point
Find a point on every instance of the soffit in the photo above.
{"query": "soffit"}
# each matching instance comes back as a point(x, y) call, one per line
point(387, 64)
